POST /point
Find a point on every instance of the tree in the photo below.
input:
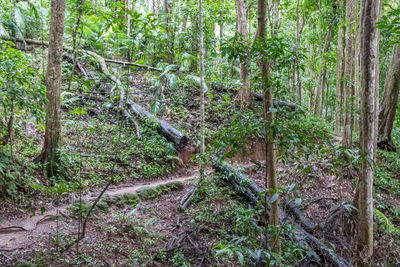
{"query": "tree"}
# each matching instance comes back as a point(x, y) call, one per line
point(53, 85)
point(271, 180)
point(348, 70)
point(244, 93)
point(339, 75)
point(388, 106)
point(202, 91)
point(370, 13)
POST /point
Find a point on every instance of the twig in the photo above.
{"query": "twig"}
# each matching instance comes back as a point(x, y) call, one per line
point(82, 235)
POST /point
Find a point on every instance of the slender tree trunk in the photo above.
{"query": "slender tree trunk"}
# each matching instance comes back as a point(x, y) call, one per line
point(370, 14)
point(53, 84)
point(202, 96)
point(339, 75)
point(357, 82)
point(128, 17)
point(299, 30)
point(318, 106)
point(271, 180)
point(244, 94)
point(348, 81)
point(389, 102)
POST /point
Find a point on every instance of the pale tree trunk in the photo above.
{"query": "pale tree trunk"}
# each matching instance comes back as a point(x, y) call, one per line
point(128, 17)
point(202, 96)
point(389, 102)
point(370, 14)
point(318, 106)
point(170, 34)
point(357, 82)
point(244, 94)
point(339, 76)
point(271, 180)
point(348, 81)
point(53, 84)
point(299, 31)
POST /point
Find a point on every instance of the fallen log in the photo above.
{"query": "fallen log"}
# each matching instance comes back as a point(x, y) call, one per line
point(251, 191)
point(277, 102)
point(125, 63)
point(163, 127)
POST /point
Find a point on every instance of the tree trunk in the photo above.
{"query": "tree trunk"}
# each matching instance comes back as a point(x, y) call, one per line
point(346, 137)
point(370, 14)
point(244, 94)
point(318, 106)
point(356, 122)
point(389, 102)
point(271, 180)
point(299, 30)
point(202, 96)
point(128, 17)
point(53, 84)
point(339, 76)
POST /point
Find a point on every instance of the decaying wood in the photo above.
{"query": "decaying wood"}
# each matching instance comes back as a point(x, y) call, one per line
point(277, 102)
point(251, 192)
point(124, 63)
point(163, 127)
point(187, 197)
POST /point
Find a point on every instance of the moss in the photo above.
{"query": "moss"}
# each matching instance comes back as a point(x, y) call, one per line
point(147, 193)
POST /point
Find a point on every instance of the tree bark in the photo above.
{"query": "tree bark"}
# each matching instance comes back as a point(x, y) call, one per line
point(53, 84)
point(389, 102)
point(202, 94)
point(244, 93)
point(270, 179)
point(318, 105)
point(339, 75)
point(370, 14)
point(348, 66)
point(299, 30)
point(356, 120)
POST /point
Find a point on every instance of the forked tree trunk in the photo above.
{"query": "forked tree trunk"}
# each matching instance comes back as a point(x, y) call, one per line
point(53, 84)
point(244, 94)
point(339, 75)
point(370, 14)
point(389, 102)
point(348, 66)
point(271, 180)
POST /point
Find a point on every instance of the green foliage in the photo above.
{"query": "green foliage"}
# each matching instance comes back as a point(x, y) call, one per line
point(147, 193)
point(385, 225)
point(21, 90)
point(390, 26)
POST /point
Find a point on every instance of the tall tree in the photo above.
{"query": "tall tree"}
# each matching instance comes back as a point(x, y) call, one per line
point(244, 93)
point(348, 71)
point(53, 84)
point(319, 94)
point(370, 13)
point(299, 31)
point(388, 106)
point(202, 91)
point(339, 72)
point(270, 179)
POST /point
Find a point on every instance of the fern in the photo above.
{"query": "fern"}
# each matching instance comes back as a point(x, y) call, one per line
point(385, 225)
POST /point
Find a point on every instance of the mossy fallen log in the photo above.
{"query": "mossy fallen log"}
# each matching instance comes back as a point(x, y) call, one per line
point(251, 192)
point(163, 127)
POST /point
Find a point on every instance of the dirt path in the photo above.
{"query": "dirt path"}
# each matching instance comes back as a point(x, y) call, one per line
point(19, 234)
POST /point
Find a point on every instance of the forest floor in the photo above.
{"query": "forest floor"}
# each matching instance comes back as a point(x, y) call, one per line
point(132, 226)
